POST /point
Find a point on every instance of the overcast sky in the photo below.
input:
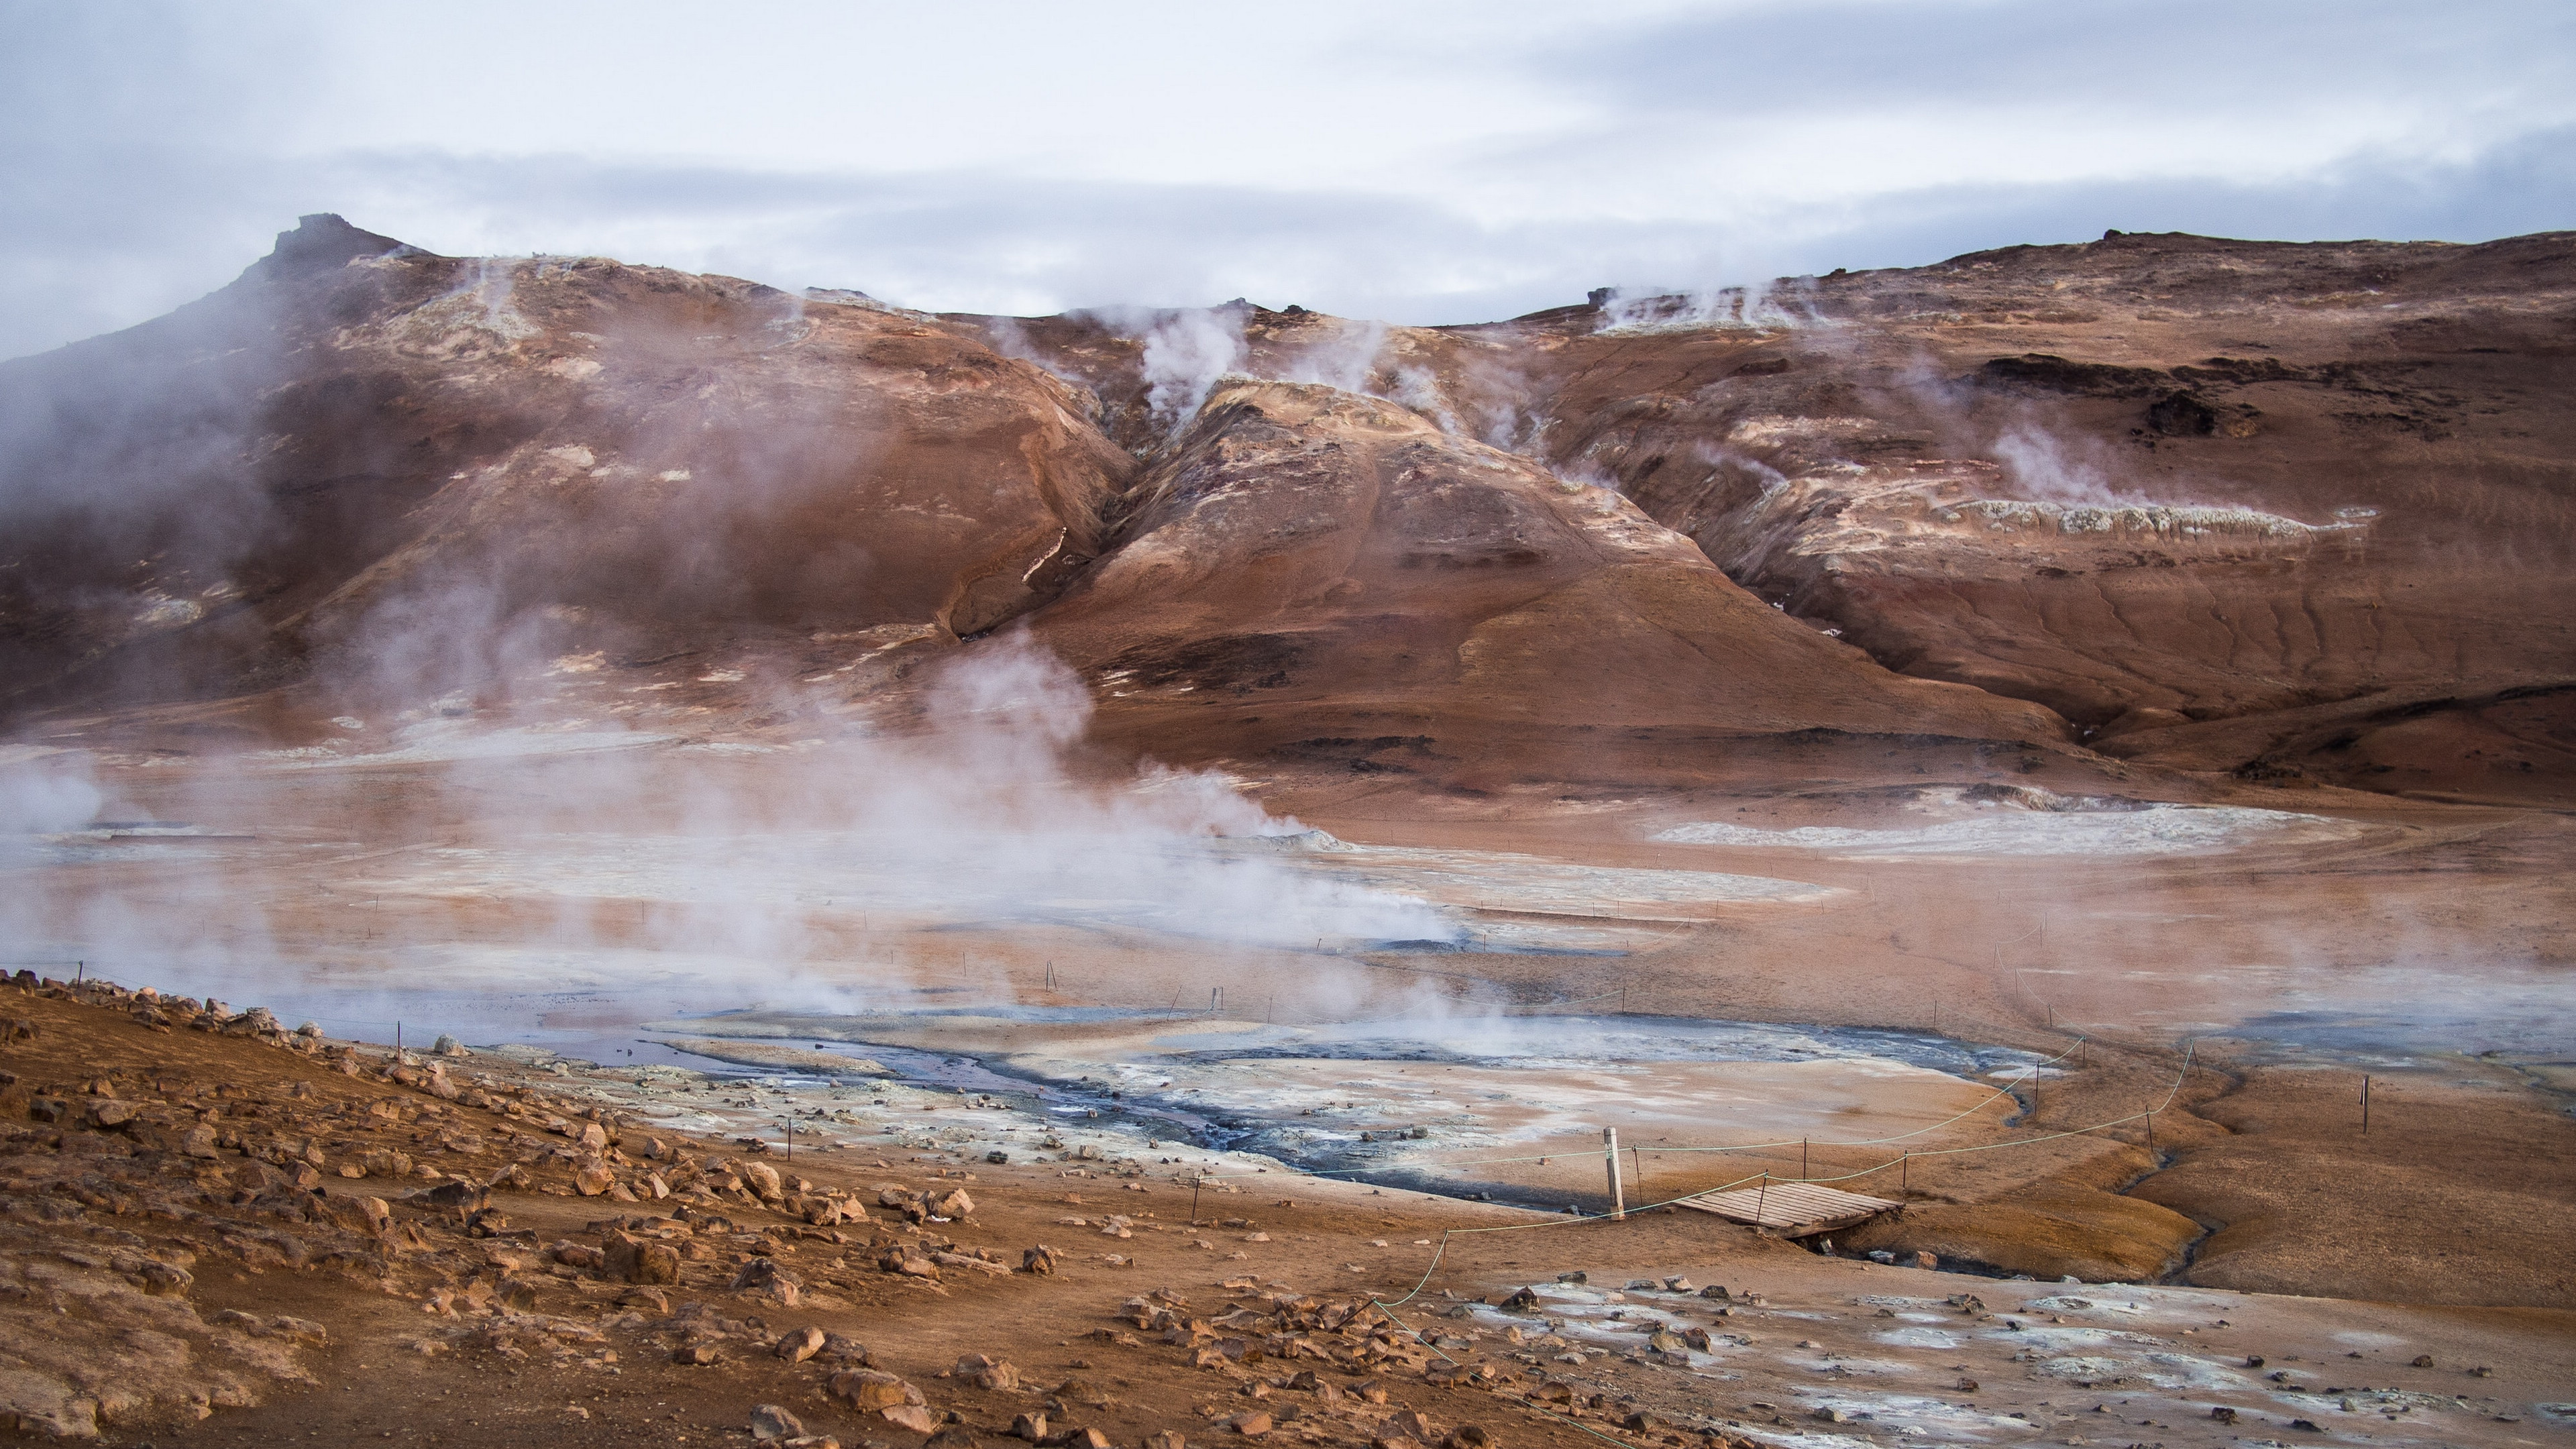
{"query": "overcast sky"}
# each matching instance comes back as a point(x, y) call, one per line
point(1418, 161)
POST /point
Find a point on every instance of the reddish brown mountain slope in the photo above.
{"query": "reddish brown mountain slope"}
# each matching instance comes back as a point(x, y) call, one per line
point(2290, 512)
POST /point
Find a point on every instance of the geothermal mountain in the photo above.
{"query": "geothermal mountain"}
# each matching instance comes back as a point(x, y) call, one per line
point(2266, 515)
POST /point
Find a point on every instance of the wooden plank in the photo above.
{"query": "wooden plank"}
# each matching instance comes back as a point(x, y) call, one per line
point(1793, 1208)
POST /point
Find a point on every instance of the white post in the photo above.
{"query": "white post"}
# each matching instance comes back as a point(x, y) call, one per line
point(1610, 1151)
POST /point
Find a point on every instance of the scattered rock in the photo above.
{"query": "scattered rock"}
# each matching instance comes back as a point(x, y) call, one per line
point(763, 1276)
point(910, 1416)
point(1031, 1427)
point(798, 1345)
point(770, 1421)
point(868, 1391)
point(987, 1373)
point(631, 1259)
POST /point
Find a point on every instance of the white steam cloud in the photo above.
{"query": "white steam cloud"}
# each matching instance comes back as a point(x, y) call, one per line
point(1185, 354)
point(828, 875)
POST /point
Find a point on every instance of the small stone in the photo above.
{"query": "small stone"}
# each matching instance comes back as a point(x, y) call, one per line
point(867, 1389)
point(1927, 1260)
point(800, 1344)
point(1641, 1422)
point(771, 1421)
point(696, 1355)
point(1832, 1415)
point(2223, 1414)
point(2423, 1360)
point(593, 1178)
point(1165, 1439)
point(1030, 1427)
point(987, 1373)
point(952, 1436)
point(1470, 1436)
point(1039, 1260)
point(1251, 1426)
point(631, 1259)
point(765, 1277)
point(1680, 1285)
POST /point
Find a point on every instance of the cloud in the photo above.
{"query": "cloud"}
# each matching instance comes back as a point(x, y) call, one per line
point(1656, 146)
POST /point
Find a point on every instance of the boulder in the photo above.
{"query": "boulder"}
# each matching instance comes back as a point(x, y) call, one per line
point(1031, 1427)
point(798, 1345)
point(593, 1178)
point(771, 1421)
point(762, 1179)
point(952, 1204)
point(1039, 1260)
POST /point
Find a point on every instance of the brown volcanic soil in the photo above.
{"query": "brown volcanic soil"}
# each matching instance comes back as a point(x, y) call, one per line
point(277, 1312)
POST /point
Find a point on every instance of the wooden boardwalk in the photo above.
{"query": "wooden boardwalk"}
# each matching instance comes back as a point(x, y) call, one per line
point(1792, 1209)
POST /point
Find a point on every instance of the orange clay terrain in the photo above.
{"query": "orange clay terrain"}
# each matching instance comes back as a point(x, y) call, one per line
point(1101, 879)
point(217, 1231)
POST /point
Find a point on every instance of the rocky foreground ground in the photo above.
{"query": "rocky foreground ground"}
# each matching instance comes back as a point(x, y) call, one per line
point(214, 1230)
